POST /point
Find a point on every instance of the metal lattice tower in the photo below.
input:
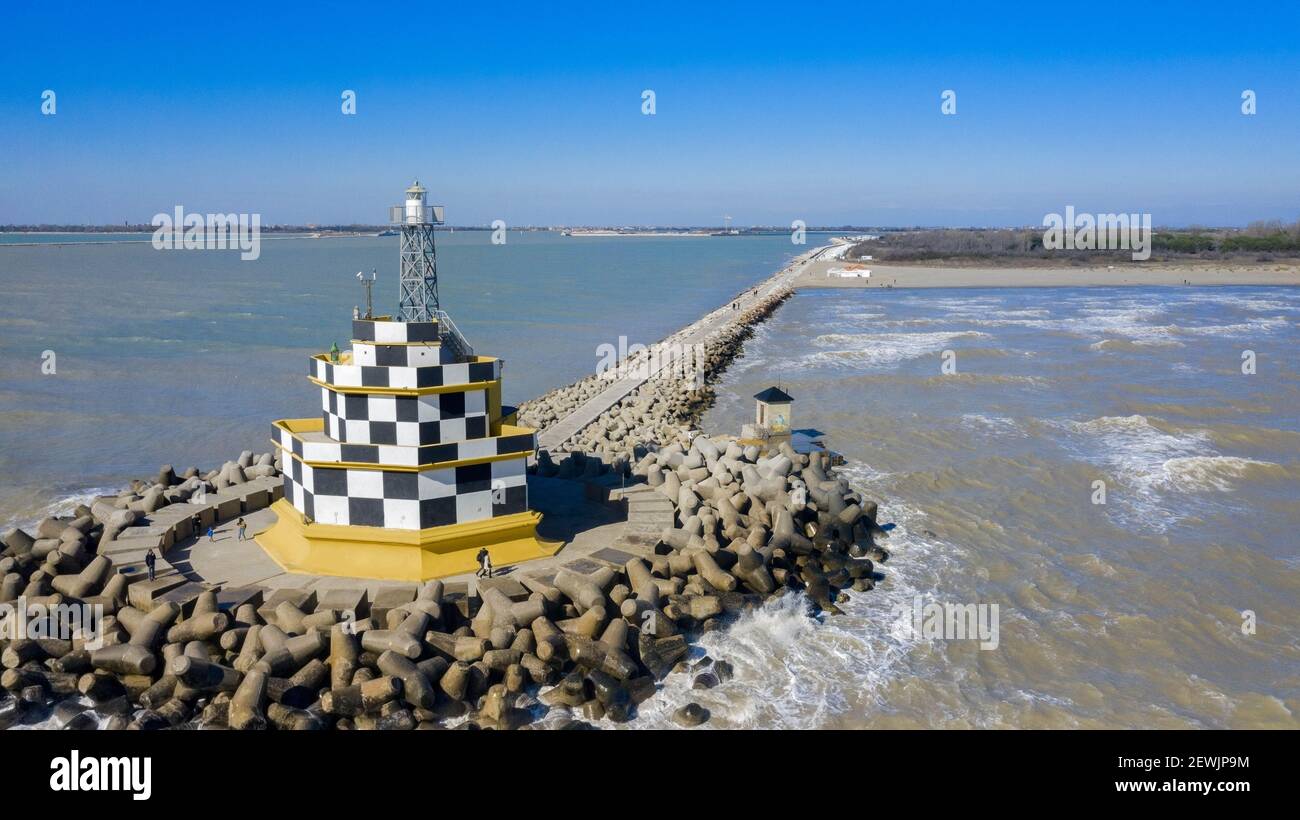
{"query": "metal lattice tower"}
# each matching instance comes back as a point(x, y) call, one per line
point(419, 263)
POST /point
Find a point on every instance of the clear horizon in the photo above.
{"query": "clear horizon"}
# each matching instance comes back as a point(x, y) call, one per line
point(832, 117)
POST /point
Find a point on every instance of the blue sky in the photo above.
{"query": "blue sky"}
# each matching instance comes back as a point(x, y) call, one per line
point(828, 113)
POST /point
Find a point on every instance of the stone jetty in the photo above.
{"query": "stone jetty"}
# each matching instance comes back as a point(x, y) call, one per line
point(661, 408)
point(749, 527)
point(610, 417)
point(727, 525)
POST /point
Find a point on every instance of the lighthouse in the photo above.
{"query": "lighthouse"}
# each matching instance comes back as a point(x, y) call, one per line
point(413, 464)
point(419, 261)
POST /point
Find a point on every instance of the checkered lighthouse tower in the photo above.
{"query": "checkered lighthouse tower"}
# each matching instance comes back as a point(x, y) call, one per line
point(413, 464)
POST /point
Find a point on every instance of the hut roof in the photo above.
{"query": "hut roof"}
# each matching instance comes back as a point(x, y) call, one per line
point(774, 395)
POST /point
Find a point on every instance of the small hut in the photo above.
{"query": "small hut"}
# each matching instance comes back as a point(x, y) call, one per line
point(772, 413)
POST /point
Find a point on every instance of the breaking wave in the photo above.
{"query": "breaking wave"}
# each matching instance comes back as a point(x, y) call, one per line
point(791, 667)
point(1156, 462)
point(881, 349)
point(1222, 473)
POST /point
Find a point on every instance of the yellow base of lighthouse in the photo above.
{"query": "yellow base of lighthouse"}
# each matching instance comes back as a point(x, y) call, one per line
point(400, 555)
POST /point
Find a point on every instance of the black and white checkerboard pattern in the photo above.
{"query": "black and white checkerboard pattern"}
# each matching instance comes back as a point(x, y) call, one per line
point(390, 332)
point(319, 448)
point(406, 420)
point(348, 473)
point(407, 500)
point(407, 378)
point(412, 355)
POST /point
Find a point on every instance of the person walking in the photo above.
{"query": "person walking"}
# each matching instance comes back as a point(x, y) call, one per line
point(242, 528)
point(210, 533)
point(484, 564)
point(149, 560)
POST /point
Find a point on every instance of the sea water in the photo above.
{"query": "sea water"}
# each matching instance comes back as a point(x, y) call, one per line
point(1127, 613)
point(980, 420)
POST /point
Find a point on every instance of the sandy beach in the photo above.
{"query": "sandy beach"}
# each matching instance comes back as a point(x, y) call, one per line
point(914, 276)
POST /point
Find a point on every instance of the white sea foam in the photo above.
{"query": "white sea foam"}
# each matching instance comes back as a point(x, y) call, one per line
point(1283, 302)
point(881, 349)
point(1129, 320)
point(978, 305)
point(65, 505)
point(1023, 313)
point(1134, 321)
point(1154, 466)
point(1248, 328)
point(1132, 446)
point(754, 349)
point(50, 723)
point(923, 321)
point(1126, 320)
point(1222, 473)
point(791, 668)
point(855, 315)
point(1123, 309)
point(997, 425)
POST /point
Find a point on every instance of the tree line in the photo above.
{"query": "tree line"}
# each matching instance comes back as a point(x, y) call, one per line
point(1261, 239)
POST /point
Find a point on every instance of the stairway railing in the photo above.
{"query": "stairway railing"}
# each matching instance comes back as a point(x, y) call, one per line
point(451, 335)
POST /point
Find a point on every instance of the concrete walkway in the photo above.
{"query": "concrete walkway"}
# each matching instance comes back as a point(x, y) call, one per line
point(591, 532)
point(566, 428)
point(649, 513)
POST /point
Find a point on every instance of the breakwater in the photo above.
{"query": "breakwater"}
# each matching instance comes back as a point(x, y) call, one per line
point(661, 407)
point(748, 525)
point(758, 526)
point(580, 416)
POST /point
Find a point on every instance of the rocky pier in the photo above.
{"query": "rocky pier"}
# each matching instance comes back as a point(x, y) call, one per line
point(742, 524)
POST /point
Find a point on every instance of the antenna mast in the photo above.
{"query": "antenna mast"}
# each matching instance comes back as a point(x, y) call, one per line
point(369, 283)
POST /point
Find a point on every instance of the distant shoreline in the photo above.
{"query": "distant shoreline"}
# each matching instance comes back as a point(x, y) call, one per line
point(815, 276)
point(79, 243)
point(635, 233)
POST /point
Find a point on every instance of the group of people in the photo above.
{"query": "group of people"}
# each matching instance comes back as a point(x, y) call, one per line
point(736, 304)
point(151, 557)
